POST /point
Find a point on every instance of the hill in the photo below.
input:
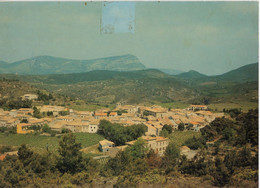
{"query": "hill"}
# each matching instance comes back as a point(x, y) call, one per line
point(191, 75)
point(113, 86)
point(247, 73)
point(96, 75)
point(53, 65)
point(170, 71)
point(150, 85)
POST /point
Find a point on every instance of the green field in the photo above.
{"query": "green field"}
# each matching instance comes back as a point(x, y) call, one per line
point(38, 143)
point(245, 106)
point(179, 137)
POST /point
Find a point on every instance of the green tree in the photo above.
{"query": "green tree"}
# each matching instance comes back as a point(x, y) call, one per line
point(70, 158)
point(171, 157)
point(138, 149)
point(181, 127)
point(168, 128)
point(25, 155)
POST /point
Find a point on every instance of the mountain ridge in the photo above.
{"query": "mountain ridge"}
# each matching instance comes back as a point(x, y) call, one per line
point(40, 65)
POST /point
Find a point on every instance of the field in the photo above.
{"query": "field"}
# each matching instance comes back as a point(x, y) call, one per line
point(245, 106)
point(39, 143)
point(179, 137)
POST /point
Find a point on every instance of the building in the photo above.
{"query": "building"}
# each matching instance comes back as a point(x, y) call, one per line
point(198, 107)
point(54, 109)
point(112, 114)
point(23, 128)
point(100, 115)
point(25, 111)
point(105, 145)
point(29, 96)
point(158, 144)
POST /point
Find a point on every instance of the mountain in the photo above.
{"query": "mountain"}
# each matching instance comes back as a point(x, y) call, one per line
point(170, 71)
point(96, 75)
point(149, 85)
point(247, 73)
point(54, 65)
point(191, 75)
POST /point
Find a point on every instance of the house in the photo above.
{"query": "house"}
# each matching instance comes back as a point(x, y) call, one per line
point(77, 126)
point(157, 112)
point(83, 114)
point(54, 109)
point(151, 130)
point(57, 125)
point(106, 145)
point(184, 149)
point(93, 126)
point(113, 114)
point(23, 128)
point(198, 107)
point(29, 97)
point(25, 111)
point(100, 115)
point(158, 144)
point(65, 118)
point(2, 157)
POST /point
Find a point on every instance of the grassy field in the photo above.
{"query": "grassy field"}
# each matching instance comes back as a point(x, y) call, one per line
point(245, 106)
point(38, 143)
point(179, 137)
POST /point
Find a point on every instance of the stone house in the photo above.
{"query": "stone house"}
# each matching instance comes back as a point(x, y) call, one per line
point(105, 145)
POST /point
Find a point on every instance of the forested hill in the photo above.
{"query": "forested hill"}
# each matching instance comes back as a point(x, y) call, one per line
point(247, 73)
point(55, 65)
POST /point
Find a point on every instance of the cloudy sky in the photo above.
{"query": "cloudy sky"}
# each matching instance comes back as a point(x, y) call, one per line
point(210, 37)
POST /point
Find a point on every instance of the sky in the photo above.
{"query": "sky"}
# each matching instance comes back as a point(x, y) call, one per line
point(209, 37)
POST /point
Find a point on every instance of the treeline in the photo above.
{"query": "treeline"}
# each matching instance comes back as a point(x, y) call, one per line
point(119, 134)
point(234, 158)
point(15, 104)
point(48, 169)
point(239, 132)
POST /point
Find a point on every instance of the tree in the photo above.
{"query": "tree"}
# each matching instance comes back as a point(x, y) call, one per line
point(138, 149)
point(70, 155)
point(168, 128)
point(171, 156)
point(25, 155)
point(36, 112)
point(181, 127)
point(46, 128)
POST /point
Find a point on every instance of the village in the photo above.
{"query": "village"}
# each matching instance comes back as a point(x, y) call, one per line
point(60, 118)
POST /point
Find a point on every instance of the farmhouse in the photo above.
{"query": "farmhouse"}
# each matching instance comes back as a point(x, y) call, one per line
point(106, 145)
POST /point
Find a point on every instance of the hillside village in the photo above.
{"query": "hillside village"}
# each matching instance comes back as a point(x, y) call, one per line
point(60, 118)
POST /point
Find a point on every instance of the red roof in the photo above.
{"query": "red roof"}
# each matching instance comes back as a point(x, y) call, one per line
point(2, 157)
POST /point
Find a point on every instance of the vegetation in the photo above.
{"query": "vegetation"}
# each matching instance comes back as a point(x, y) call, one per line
point(39, 143)
point(119, 134)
